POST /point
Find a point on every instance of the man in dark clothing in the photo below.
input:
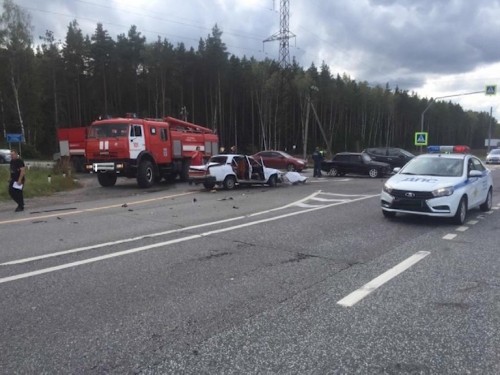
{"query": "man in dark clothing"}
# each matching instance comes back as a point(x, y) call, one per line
point(317, 157)
point(16, 183)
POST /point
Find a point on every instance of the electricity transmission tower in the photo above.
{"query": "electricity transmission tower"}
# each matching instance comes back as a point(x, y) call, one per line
point(284, 35)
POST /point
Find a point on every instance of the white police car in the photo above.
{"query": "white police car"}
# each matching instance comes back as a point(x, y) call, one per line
point(436, 184)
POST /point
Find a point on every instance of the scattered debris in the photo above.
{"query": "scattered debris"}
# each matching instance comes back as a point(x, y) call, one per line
point(225, 199)
point(124, 205)
point(235, 207)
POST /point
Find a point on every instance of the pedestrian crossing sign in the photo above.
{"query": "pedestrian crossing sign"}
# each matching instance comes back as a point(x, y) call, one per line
point(491, 90)
point(421, 138)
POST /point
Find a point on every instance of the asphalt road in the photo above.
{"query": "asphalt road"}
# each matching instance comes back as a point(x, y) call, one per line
point(292, 280)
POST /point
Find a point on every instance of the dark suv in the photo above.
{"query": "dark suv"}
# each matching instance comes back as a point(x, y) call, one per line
point(396, 157)
point(356, 163)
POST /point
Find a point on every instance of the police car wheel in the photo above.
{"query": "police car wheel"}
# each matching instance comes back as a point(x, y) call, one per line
point(461, 213)
point(388, 214)
point(488, 203)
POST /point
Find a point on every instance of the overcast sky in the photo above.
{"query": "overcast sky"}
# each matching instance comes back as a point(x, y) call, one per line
point(432, 47)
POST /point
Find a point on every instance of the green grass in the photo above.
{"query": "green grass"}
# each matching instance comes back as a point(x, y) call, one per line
point(37, 182)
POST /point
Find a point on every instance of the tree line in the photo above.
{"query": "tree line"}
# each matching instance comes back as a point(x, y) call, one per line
point(46, 84)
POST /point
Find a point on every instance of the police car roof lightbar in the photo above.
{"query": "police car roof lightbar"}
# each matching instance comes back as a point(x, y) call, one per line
point(460, 149)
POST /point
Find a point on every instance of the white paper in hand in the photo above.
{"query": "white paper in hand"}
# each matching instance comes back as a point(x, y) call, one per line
point(17, 186)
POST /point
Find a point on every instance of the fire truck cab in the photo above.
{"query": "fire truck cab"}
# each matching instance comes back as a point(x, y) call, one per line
point(145, 149)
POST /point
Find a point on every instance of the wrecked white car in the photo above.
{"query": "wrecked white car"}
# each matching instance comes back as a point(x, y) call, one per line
point(232, 170)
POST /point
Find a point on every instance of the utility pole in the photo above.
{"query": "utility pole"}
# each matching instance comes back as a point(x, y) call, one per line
point(284, 35)
point(489, 130)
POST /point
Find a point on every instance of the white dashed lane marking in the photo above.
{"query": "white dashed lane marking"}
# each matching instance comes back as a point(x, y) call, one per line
point(356, 296)
point(451, 236)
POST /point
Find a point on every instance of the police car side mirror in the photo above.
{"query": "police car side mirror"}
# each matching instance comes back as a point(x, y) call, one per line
point(475, 173)
point(396, 170)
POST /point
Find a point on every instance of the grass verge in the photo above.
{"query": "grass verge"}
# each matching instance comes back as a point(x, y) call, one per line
point(37, 182)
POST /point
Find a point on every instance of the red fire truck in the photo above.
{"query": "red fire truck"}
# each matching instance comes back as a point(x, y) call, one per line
point(72, 145)
point(145, 149)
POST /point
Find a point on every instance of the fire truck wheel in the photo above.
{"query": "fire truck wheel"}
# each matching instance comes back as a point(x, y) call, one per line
point(106, 179)
point(145, 174)
point(184, 173)
point(229, 183)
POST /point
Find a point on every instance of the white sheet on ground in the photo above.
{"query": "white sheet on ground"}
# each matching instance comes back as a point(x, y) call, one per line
point(294, 178)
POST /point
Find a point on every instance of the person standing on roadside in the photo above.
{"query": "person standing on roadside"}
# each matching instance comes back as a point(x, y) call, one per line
point(317, 157)
point(197, 157)
point(16, 183)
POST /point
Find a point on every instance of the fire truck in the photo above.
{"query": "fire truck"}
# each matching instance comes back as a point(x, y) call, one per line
point(72, 145)
point(145, 149)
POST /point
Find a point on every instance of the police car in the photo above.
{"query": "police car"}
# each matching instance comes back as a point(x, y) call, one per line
point(439, 184)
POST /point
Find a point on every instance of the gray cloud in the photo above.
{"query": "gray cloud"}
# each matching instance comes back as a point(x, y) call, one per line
point(403, 42)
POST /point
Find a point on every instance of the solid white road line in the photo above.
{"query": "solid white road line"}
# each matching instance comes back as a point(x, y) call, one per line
point(165, 243)
point(450, 236)
point(59, 214)
point(305, 205)
point(327, 200)
point(376, 283)
point(172, 231)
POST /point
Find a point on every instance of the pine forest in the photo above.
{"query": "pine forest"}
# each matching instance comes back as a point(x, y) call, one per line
point(47, 84)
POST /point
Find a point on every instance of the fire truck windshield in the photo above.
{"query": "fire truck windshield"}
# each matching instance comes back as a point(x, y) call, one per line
point(108, 131)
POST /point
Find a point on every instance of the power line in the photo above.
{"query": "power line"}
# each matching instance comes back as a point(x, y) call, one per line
point(152, 32)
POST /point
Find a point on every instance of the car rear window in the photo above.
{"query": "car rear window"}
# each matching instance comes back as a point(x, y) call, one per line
point(220, 159)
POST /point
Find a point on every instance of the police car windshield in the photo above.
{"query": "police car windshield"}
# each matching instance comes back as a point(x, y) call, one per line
point(445, 167)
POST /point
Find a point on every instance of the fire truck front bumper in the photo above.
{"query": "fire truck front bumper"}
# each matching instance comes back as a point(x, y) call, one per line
point(106, 167)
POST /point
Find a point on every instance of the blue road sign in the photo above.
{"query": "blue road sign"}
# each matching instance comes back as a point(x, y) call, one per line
point(12, 138)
